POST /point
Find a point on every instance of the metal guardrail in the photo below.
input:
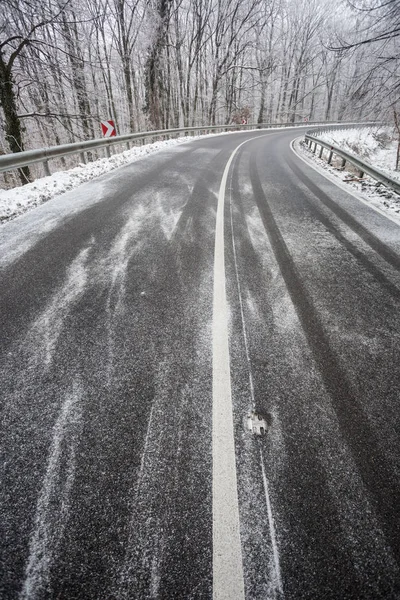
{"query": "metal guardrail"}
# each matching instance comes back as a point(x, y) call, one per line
point(362, 166)
point(21, 159)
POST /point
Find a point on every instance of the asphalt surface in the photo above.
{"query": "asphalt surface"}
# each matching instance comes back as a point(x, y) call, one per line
point(107, 370)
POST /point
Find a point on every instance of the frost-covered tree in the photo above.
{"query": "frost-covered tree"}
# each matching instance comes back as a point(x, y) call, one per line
point(21, 27)
point(65, 65)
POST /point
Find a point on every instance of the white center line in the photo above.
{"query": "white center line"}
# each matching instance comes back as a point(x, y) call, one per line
point(277, 578)
point(246, 342)
point(228, 583)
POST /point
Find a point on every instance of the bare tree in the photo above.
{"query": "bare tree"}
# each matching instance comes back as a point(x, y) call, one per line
point(19, 29)
point(65, 65)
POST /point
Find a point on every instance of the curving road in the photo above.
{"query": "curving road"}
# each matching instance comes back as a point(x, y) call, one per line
point(143, 317)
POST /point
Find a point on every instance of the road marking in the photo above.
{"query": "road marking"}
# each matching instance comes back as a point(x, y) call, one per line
point(246, 343)
point(275, 551)
point(228, 583)
point(276, 578)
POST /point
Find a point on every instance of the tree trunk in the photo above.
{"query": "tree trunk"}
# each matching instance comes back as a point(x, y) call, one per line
point(260, 118)
point(155, 88)
point(13, 128)
point(397, 125)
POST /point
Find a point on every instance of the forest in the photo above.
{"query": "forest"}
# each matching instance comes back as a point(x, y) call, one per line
point(66, 65)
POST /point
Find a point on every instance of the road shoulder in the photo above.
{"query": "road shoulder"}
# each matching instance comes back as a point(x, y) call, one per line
point(373, 201)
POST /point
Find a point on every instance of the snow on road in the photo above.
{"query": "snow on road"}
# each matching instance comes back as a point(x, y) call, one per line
point(53, 506)
point(46, 329)
point(21, 199)
point(19, 235)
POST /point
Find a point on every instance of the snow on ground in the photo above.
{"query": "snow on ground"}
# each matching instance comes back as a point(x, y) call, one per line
point(21, 199)
point(375, 145)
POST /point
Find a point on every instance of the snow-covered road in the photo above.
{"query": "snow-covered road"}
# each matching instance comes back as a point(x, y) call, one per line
point(107, 367)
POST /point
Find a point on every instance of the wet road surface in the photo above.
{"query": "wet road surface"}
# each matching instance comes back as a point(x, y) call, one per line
point(112, 429)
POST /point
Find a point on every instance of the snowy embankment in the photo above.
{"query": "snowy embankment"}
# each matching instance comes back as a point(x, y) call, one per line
point(21, 199)
point(375, 145)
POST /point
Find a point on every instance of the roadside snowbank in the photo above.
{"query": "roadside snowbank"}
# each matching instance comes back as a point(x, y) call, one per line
point(372, 144)
point(21, 199)
point(375, 145)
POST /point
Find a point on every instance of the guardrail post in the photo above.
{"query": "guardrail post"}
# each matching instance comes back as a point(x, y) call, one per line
point(320, 152)
point(46, 168)
point(82, 156)
point(361, 174)
point(108, 151)
point(128, 146)
point(315, 147)
point(330, 157)
point(343, 163)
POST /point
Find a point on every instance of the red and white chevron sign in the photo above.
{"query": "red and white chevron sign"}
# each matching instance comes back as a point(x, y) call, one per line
point(108, 128)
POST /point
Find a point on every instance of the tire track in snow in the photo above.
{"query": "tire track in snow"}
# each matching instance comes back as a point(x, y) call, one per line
point(129, 242)
point(45, 331)
point(369, 238)
point(126, 244)
point(192, 209)
point(145, 541)
point(372, 466)
point(359, 255)
point(54, 503)
point(157, 500)
point(359, 530)
point(275, 570)
point(141, 572)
